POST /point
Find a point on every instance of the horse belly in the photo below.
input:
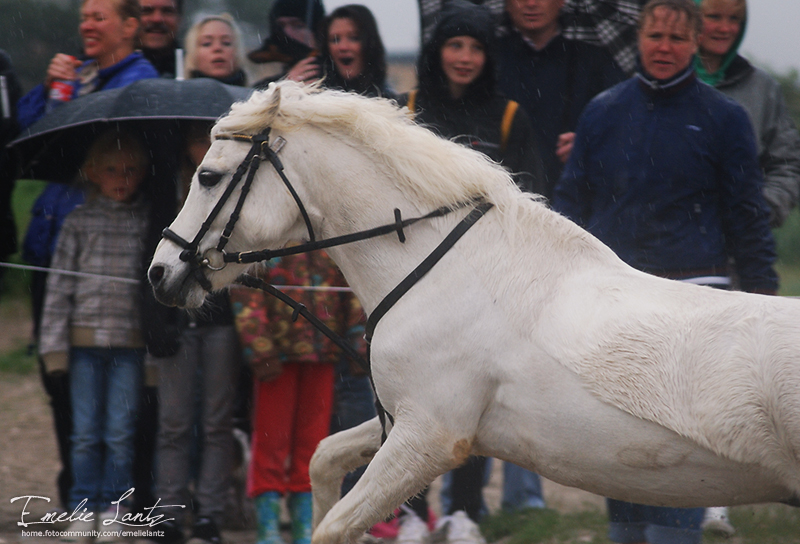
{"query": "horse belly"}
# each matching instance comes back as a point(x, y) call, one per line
point(555, 427)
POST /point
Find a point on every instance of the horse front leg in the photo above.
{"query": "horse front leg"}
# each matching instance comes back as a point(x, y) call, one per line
point(337, 455)
point(415, 453)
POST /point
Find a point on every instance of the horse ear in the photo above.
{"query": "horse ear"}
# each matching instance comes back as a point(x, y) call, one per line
point(271, 109)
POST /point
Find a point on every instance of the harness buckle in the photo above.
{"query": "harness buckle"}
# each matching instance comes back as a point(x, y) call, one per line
point(277, 144)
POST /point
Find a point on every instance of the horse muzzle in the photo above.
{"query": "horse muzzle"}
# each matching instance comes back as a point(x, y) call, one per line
point(176, 287)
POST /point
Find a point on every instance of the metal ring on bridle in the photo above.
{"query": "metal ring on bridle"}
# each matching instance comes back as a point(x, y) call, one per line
point(208, 263)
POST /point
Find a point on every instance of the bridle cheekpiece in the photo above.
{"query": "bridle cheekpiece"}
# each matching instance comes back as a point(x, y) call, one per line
point(259, 150)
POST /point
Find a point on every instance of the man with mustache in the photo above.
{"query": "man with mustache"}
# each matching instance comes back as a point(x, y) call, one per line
point(158, 36)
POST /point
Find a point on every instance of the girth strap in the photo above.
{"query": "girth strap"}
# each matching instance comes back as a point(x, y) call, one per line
point(408, 282)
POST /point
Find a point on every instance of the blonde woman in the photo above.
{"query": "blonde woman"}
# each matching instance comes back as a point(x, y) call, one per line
point(214, 50)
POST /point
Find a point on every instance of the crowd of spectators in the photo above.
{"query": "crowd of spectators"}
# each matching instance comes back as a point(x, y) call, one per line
point(152, 398)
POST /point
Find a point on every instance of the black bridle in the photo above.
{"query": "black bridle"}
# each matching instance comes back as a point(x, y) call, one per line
point(259, 149)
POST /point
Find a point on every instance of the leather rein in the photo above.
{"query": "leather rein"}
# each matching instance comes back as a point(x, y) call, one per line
point(217, 258)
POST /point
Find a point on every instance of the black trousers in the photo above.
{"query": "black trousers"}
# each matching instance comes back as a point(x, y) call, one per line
point(466, 490)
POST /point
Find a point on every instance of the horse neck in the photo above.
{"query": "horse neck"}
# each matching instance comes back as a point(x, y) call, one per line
point(349, 193)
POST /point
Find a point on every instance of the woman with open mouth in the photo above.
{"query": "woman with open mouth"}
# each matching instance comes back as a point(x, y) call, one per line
point(352, 54)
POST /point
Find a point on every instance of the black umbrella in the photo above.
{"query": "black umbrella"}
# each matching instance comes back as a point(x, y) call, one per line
point(53, 147)
point(608, 23)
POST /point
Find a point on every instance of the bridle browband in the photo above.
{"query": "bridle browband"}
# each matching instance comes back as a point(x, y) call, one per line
point(261, 148)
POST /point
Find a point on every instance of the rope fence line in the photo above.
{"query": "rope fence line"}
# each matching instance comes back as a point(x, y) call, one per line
point(136, 282)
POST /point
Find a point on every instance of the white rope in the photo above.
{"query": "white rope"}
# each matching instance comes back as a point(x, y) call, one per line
point(69, 273)
point(136, 282)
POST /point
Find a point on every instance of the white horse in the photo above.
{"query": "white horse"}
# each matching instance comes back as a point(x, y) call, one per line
point(529, 341)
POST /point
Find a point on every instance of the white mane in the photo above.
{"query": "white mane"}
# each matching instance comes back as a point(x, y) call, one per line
point(431, 169)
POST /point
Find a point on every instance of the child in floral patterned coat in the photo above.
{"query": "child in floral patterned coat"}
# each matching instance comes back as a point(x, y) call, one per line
point(293, 369)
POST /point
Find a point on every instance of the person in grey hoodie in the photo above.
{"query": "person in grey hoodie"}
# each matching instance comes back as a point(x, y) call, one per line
point(719, 64)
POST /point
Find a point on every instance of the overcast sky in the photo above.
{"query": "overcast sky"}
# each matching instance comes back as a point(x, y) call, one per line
point(772, 38)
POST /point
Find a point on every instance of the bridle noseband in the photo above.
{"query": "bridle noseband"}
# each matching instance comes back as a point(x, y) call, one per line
point(259, 150)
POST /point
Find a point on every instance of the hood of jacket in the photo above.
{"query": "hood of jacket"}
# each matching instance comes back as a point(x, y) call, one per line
point(715, 78)
point(458, 18)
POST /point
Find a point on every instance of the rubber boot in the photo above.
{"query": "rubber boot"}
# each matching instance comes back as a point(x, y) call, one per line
point(302, 516)
point(268, 518)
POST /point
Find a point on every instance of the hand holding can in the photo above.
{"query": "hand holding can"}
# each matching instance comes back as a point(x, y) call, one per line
point(61, 75)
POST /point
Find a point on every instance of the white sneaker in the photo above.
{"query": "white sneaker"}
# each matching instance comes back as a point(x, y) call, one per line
point(460, 529)
point(412, 530)
point(79, 531)
point(716, 520)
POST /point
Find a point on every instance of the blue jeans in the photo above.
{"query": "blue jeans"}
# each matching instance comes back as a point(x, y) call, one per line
point(521, 488)
point(105, 387)
point(630, 522)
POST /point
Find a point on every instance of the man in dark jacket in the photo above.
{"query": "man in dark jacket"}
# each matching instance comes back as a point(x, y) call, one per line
point(158, 37)
point(552, 78)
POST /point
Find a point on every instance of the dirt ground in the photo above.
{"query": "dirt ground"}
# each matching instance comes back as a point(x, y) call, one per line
point(29, 459)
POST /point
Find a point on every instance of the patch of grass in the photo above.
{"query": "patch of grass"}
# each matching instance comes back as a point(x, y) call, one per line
point(546, 526)
point(17, 361)
point(787, 239)
point(789, 275)
point(759, 524)
point(25, 193)
point(764, 524)
point(15, 282)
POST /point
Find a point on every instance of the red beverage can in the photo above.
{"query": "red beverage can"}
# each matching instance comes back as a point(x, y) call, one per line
point(60, 90)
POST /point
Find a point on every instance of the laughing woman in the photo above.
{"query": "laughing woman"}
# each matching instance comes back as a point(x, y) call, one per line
point(108, 29)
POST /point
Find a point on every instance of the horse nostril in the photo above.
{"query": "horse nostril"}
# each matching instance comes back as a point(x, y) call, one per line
point(156, 274)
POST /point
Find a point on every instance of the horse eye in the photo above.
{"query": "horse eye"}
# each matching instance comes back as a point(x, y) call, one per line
point(208, 178)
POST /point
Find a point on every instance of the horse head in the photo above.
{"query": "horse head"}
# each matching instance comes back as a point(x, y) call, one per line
point(237, 202)
point(351, 160)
